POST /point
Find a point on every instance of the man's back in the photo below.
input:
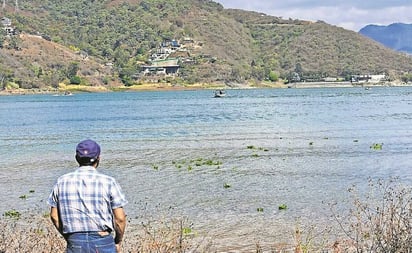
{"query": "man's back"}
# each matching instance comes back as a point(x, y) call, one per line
point(85, 200)
point(86, 206)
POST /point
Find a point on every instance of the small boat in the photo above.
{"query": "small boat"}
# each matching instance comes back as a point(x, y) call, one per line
point(66, 93)
point(220, 93)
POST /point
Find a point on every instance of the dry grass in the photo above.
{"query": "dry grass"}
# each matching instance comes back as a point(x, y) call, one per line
point(376, 221)
point(379, 220)
point(29, 234)
point(21, 234)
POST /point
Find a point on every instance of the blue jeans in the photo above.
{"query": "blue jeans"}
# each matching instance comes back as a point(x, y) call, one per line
point(90, 242)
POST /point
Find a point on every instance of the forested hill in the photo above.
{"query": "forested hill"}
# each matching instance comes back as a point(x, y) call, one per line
point(108, 42)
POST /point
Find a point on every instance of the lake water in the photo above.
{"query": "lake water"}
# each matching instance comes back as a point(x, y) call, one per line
point(173, 152)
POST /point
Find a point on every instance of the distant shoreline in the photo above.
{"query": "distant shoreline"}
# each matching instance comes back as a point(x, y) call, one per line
point(169, 87)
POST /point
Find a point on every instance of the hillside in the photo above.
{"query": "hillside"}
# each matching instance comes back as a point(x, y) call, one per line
point(397, 36)
point(126, 42)
point(38, 61)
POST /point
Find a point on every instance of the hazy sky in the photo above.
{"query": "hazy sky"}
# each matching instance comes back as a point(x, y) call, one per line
point(349, 14)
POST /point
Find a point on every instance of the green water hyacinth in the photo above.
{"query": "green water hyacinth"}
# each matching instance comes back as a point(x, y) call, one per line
point(283, 207)
point(12, 214)
point(187, 231)
point(376, 146)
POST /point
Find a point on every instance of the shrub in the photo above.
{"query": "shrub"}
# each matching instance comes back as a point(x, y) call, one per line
point(35, 233)
point(380, 220)
point(273, 76)
point(75, 80)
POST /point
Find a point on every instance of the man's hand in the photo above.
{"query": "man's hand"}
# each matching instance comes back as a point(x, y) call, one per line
point(118, 248)
point(54, 216)
point(119, 224)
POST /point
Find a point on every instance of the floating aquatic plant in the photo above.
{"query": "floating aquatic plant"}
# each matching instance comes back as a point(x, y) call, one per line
point(226, 185)
point(198, 162)
point(187, 231)
point(258, 148)
point(259, 209)
point(12, 214)
point(376, 146)
point(283, 207)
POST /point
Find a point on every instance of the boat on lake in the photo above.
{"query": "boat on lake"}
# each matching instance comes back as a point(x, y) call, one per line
point(66, 93)
point(220, 93)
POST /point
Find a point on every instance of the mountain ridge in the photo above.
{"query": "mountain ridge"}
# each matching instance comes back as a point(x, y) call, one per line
point(397, 36)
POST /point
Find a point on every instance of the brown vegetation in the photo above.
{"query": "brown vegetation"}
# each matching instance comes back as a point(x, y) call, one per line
point(376, 221)
point(38, 58)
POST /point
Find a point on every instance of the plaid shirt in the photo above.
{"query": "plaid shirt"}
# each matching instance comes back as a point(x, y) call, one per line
point(85, 199)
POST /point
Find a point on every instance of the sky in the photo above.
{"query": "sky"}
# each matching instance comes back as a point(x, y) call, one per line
point(349, 14)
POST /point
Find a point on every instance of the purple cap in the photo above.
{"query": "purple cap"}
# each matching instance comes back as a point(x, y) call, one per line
point(88, 148)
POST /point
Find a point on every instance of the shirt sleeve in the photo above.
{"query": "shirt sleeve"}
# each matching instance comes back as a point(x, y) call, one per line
point(118, 199)
point(53, 199)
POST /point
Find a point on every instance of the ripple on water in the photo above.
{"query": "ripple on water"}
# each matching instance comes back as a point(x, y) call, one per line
point(302, 148)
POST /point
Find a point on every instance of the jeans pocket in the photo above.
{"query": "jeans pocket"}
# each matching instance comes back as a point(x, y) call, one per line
point(106, 248)
point(72, 248)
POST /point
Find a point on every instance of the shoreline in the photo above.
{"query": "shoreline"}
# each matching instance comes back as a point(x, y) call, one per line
point(169, 87)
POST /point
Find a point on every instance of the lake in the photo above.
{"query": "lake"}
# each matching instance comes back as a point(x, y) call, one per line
point(214, 161)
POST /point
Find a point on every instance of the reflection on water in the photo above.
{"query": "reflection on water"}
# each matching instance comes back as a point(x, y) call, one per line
point(173, 152)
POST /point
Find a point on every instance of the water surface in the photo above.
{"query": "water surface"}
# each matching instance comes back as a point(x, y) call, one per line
point(174, 151)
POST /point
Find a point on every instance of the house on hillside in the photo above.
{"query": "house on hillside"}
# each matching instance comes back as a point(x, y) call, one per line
point(174, 44)
point(167, 67)
point(161, 53)
point(188, 40)
point(6, 24)
point(377, 78)
point(368, 78)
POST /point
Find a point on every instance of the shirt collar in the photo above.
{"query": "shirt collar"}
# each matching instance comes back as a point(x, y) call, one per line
point(86, 168)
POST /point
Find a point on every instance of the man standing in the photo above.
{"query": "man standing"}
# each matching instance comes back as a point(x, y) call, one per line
point(86, 206)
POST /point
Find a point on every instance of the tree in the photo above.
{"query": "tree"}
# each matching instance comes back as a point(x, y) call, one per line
point(15, 43)
point(273, 76)
point(406, 77)
point(75, 80)
point(2, 39)
point(2, 81)
point(72, 69)
point(293, 77)
point(5, 75)
point(298, 68)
